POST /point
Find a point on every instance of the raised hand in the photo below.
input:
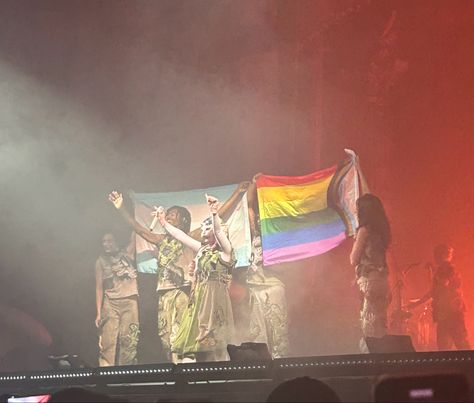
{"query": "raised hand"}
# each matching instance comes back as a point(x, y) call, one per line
point(213, 204)
point(117, 199)
point(243, 186)
point(160, 214)
point(256, 176)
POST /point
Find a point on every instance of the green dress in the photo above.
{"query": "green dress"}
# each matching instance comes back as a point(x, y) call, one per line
point(208, 324)
point(173, 259)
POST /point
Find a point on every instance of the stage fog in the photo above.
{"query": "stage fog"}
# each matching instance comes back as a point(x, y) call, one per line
point(167, 96)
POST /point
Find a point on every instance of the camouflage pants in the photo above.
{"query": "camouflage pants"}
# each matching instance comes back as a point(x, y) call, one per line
point(119, 332)
point(171, 307)
point(268, 317)
point(375, 292)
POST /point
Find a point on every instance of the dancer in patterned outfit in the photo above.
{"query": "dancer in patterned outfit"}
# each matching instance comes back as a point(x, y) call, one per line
point(267, 308)
point(117, 305)
point(208, 325)
point(368, 256)
point(173, 259)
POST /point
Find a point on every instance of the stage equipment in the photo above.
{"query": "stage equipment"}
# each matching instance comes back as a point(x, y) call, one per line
point(390, 344)
point(400, 316)
point(66, 361)
point(249, 352)
point(238, 381)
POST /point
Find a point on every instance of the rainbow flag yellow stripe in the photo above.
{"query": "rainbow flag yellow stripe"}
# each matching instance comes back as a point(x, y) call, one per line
point(293, 200)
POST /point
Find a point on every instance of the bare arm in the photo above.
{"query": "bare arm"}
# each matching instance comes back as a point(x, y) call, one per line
point(252, 197)
point(176, 233)
point(99, 292)
point(221, 237)
point(130, 250)
point(358, 246)
point(252, 206)
point(117, 200)
point(229, 205)
point(226, 253)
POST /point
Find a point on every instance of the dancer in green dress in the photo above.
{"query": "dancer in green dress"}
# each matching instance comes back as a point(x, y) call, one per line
point(208, 325)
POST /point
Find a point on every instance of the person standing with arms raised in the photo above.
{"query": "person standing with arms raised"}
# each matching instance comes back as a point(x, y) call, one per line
point(208, 325)
point(173, 258)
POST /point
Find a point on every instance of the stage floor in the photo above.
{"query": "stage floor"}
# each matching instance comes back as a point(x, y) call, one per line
point(351, 376)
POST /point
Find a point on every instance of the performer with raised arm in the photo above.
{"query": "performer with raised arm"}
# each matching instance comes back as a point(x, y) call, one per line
point(368, 255)
point(117, 304)
point(268, 314)
point(268, 306)
point(447, 301)
point(173, 259)
point(208, 325)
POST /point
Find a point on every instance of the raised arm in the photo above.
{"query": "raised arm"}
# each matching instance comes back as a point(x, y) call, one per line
point(131, 247)
point(252, 197)
point(253, 207)
point(221, 237)
point(176, 233)
point(229, 205)
point(358, 246)
point(116, 199)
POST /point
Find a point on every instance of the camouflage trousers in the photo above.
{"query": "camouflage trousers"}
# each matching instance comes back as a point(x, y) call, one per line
point(269, 317)
point(171, 307)
point(119, 332)
point(375, 293)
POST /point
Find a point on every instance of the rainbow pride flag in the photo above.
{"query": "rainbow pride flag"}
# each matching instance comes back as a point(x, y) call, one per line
point(305, 216)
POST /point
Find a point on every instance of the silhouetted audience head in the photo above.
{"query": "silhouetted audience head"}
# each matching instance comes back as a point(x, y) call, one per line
point(81, 395)
point(303, 389)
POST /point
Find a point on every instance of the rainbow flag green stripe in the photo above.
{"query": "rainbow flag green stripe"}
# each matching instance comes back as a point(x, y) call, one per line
point(270, 226)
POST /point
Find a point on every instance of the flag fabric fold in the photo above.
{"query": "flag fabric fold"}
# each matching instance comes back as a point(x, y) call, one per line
point(305, 216)
point(300, 216)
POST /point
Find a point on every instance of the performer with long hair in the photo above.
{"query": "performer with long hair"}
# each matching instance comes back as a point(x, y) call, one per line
point(208, 325)
point(368, 255)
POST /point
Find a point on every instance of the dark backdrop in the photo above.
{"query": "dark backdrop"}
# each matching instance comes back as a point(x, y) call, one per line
point(173, 95)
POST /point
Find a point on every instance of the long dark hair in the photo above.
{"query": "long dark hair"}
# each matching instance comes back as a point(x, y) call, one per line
point(371, 214)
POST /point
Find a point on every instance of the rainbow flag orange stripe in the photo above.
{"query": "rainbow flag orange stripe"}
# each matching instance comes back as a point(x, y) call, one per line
point(297, 219)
